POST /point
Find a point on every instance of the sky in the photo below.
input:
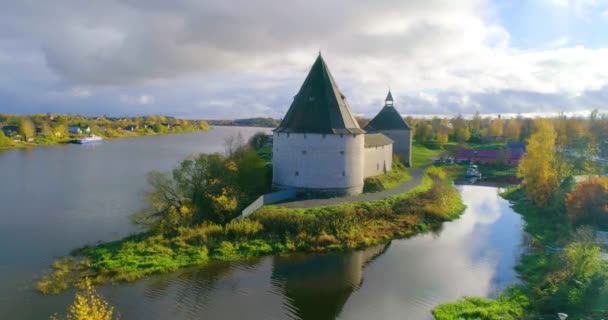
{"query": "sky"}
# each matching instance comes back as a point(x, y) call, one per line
point(229, 59)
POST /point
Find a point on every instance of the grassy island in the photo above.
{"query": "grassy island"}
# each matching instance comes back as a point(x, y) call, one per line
point(189, 222)
point(45, 129)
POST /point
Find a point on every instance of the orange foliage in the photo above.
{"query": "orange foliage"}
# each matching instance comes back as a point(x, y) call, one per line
point(588, 203)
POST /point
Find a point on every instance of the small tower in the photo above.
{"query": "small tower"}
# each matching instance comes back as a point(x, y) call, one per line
point(389, 122)
point(388, 102)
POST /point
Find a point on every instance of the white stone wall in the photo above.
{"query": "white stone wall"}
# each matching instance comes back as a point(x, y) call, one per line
point(403, 144)
point(315, 161)
point(378, 160)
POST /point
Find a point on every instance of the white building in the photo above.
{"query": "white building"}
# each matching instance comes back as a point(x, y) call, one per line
point(319, 148)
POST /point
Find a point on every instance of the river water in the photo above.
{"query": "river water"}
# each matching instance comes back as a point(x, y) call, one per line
point(53, 199)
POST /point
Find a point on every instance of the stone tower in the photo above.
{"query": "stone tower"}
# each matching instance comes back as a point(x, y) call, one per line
point(318, 148)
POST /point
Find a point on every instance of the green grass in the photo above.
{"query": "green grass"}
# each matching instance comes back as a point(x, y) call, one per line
point(271, 230)
point(422, 156)
point(398, 175)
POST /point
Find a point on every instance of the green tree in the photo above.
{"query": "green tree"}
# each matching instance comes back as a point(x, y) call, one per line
point(5, 141)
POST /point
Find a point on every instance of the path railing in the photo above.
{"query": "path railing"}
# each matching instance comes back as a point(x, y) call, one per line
point(268, 198)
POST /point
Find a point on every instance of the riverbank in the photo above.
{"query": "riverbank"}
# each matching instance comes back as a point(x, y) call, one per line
point(17, 131)
point(271, 230)
point(561, 271)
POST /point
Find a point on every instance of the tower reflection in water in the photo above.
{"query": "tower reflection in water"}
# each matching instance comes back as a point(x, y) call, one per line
point(318, 286)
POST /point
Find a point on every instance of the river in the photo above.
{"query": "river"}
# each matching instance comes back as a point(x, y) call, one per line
point(53, 199)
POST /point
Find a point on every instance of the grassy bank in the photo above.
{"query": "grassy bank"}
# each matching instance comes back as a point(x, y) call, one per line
point(398, 175)
point(271, 230)
point(561, 271)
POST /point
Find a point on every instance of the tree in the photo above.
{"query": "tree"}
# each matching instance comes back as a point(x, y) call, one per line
point(442, 138)
point(496, 127)
point(88, 305)
point(588, 203)
point(538, 167)
point(513, 129)
point(259, 140)
point(206, 188)
point(27, 129)
point(4, 140)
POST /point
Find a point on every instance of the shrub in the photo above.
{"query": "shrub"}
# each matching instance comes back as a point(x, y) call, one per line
point(243, 228)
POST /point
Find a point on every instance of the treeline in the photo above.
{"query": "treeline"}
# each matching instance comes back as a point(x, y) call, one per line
point(249, 122)
point(563, 271)
point(49, 129)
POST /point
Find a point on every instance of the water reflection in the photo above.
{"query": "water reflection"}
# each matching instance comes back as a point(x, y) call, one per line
point(317, 287)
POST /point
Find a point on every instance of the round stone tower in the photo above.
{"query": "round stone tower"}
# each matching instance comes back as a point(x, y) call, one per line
point(318, 148)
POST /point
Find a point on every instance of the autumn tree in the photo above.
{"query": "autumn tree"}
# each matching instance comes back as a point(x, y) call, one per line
point(537, 167)
point(496, 127)
point(513, 129)
point(588, 203)
point(27, 129)
point(88, 305)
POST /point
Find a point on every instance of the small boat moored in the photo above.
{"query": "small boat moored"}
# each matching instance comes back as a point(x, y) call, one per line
point(473, 172)
point(88, 140)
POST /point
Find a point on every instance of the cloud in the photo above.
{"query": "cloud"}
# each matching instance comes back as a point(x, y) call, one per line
point(136, 100)
point(241, 58)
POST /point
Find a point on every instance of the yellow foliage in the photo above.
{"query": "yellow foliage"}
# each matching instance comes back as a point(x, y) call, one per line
point(538, 166)
point(88, 305)
point(224, 202)
point(231, 166)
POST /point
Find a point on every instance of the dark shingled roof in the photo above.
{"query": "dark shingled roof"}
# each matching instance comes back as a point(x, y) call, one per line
point(377, 140)
point(319, 106)
point(389, 96)
point(387, 119)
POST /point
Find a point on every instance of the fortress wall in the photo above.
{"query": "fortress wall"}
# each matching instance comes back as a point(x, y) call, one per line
point(403, 144)
point(330, 162)
point(378, 160)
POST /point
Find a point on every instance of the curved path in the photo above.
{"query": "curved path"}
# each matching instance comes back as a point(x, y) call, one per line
point(404, 187)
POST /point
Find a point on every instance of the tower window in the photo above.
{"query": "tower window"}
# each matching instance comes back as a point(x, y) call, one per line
point(341, 135)
point(287, 134)
point(323, 136)
point(297, 173)
point(342, 152)
point(303, 151)
point(305, 136)
point(344, 173)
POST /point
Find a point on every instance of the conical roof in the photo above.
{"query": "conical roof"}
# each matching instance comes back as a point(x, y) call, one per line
point(319, 106)
point(387, 119)
point(389, 96)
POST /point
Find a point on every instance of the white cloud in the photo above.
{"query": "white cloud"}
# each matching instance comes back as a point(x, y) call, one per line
point(143, 99)
point(440, 56)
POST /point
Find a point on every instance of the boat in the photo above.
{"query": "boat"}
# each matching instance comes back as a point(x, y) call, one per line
point(472, 172)
point(88, 140)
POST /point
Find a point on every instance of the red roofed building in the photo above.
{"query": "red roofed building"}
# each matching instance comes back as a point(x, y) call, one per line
point(509, 156)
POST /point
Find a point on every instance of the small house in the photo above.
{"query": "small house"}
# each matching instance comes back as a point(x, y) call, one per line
point(510, 157)
point(74, 130)
point(131, 128)
point(10, 131)
point(516, 145)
